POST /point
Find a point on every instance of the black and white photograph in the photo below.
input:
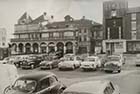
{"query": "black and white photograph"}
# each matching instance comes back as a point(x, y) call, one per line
point(69, 46)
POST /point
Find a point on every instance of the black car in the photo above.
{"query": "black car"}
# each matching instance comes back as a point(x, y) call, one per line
point(36, 83)
point(32, 62)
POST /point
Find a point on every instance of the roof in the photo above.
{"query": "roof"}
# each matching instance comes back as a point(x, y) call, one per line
point(25, 16)
point(36, 76)
point(93, 87)
point(38, 20)
point(77, 23)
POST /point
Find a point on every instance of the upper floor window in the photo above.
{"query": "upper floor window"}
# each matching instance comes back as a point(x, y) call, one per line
point(133, 35)
point(68, 34)
point(56, 34)
point(133, 25)
point(50, 35)
point(133, 16)
point(45, 35)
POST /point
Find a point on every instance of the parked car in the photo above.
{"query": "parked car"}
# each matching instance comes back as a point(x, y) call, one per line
point(113, 63)
point(31, 62)
point(49, 63)
point(137, 61)
point(92, 87)
point(36, 83)
point(91, 62)
point(69, 61)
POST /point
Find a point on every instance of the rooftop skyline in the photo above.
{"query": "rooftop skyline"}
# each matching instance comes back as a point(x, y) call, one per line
point(12, 10)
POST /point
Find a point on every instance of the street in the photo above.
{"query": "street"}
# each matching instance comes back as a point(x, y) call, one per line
point(127, 80)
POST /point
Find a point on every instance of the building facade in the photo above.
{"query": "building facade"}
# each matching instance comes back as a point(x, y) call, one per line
point(121, 27)
point(3, 38)
point(42, 35)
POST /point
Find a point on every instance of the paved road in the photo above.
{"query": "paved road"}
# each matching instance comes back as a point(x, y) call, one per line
point(128, 80)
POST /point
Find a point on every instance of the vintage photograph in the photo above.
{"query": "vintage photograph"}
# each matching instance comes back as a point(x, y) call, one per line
point(69, 46)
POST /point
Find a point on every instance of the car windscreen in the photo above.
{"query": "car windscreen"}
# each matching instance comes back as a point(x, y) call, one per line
point(90, 59)
point(113, 58)
point(70, 58)
point(25, 85)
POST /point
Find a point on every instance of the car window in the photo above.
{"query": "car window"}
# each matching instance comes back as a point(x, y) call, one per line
point(78, 58)
point(44, 84)
point(52, 80)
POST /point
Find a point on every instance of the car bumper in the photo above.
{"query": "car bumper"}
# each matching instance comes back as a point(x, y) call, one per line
point(25, 66)
point(87, 67)
point(112, 69)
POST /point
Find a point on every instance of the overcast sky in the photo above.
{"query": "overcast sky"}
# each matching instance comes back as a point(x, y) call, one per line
point(11, 10)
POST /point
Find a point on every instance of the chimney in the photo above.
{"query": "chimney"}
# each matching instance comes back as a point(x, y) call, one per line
point(83, 17)
point(52, 17)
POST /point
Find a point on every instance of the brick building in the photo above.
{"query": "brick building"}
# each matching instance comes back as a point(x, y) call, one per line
point(43, 35)
point(121, 27)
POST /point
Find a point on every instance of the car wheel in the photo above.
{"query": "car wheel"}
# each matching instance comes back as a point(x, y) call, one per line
point(32, 66)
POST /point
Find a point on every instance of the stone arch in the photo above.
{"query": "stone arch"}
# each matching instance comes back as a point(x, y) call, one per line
point(60, 48)
point(28, 48)
point(21, 47)
point(51, 47)
point(35, 48)
point(43, 47)
point(14, 47)
point(69, 47)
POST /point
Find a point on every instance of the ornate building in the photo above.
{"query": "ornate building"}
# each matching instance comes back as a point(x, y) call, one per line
point(42, 35)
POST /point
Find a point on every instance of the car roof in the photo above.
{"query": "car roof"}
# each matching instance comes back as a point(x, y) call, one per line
point(92, 57)
point(88, 87)
point(36, 76)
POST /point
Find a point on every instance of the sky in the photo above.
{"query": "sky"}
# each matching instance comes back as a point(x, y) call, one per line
point(12, 10)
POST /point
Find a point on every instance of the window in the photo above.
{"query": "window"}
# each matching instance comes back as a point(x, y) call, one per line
point(24, 36)
point(56, 34)
point(68, 34)
point(85, 30)
point(50, 35)
point(80, 39)
point(44, 84)
point(133, 35)
point(133, 16)
point(85, 38)
point(113, 13)
point(133, 25)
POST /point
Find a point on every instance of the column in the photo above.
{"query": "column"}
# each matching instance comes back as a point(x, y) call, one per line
point(74, 52)
point(39, 49)
point(24, 49)
point(108, 33)
point(55, 48)
point(31, 49)
point(17, 50)
point(47, 49)
point(119, 32)
point(64, 49)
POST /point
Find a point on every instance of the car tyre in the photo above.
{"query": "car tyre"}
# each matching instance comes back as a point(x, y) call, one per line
point(6, 90)
point(60, 91)
point(119, 71)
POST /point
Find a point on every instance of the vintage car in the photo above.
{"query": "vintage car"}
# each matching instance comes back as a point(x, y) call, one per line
point(49, 63)
point(36, 83)
point(91, 62)
point(93, 87)
point(113, 64)
point(69, 61)
point(31, 62)
point(137, 61)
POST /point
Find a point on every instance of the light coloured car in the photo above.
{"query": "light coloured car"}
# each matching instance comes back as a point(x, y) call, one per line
point(69, 62)
point(137, 61)
point(91, 62)
point(93, 87)
point(113, 63)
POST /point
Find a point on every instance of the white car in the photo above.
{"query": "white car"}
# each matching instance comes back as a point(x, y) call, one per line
point(91, 62)
point(69, 62)
point(93, 87)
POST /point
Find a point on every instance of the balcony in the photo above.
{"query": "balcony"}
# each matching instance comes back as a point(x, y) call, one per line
point(42, 39)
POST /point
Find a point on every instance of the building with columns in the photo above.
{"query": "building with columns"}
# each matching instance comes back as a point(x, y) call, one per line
point(42, 35)
point(121, 27)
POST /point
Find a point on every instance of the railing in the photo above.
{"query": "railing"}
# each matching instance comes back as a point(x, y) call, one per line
point(42, 39)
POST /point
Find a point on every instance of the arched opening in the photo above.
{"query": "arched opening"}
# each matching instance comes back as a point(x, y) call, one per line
point(28, 48)
point(43, 47)
point(69, 47)
point(35, 48)
point(60, 49)
point(51, 47)
point(20, 46)
point(14, 47)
